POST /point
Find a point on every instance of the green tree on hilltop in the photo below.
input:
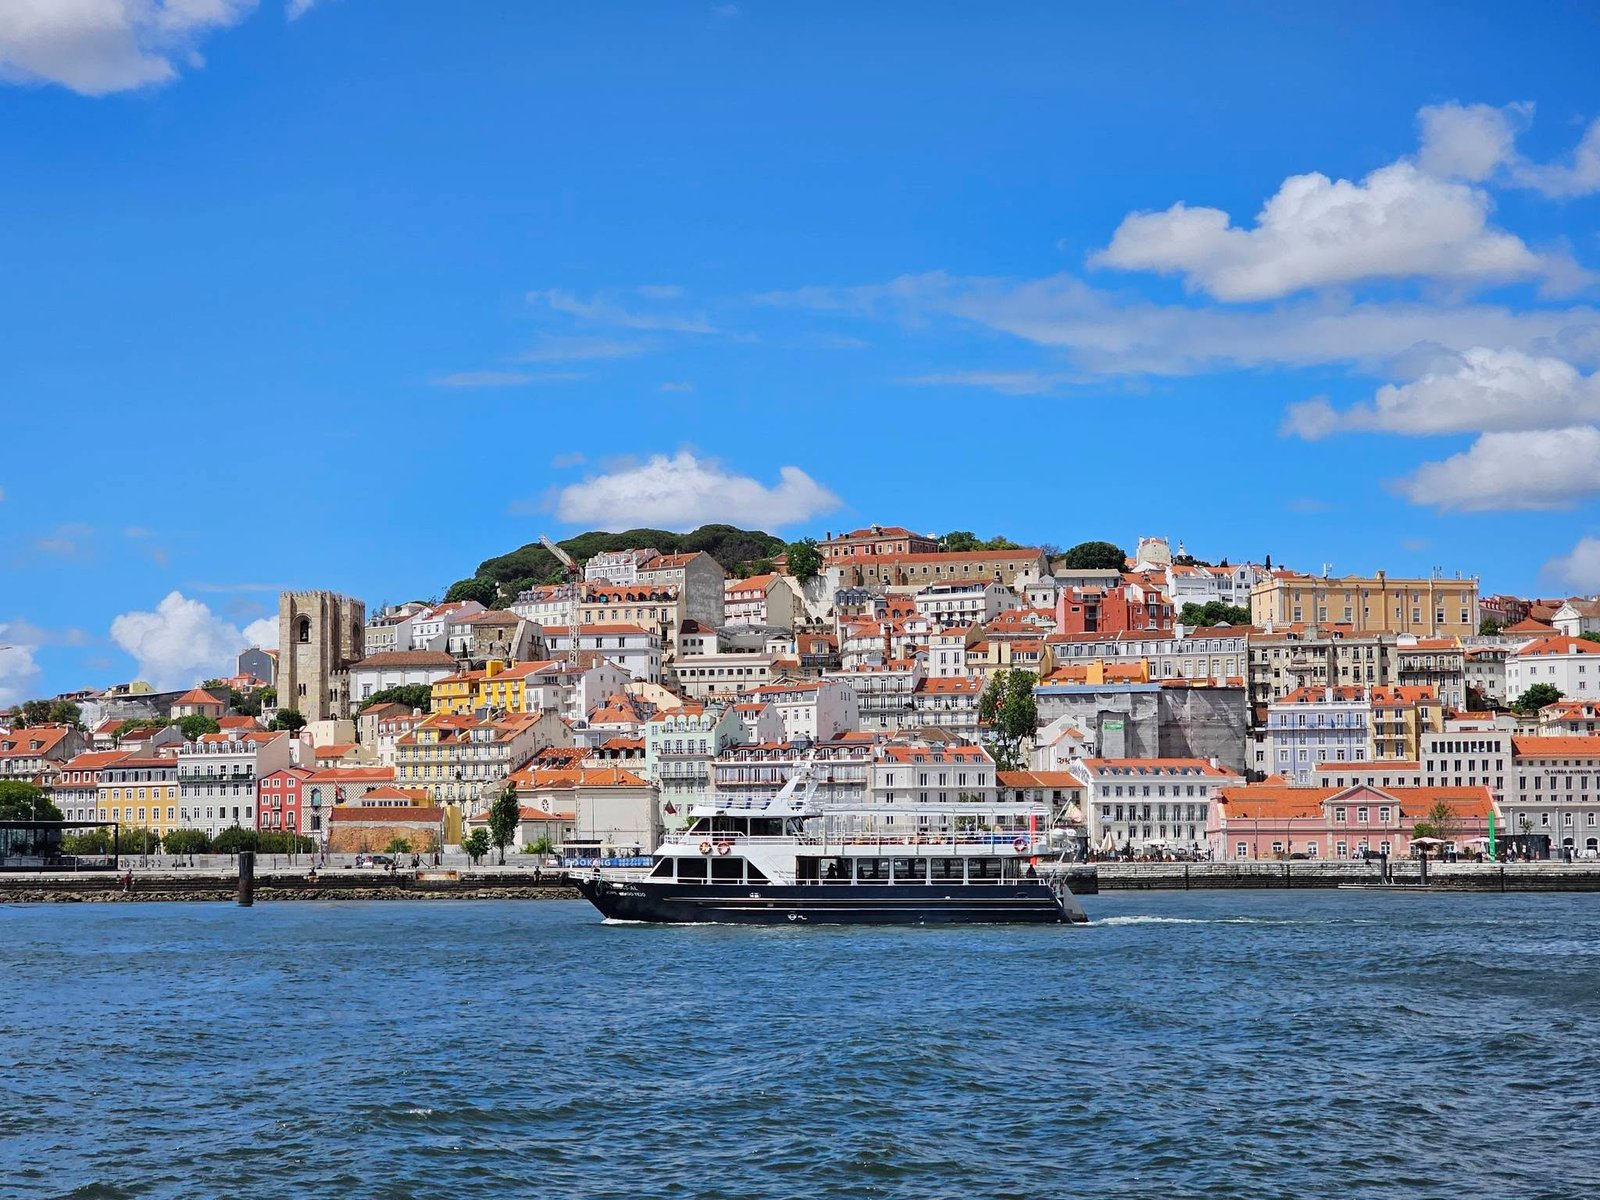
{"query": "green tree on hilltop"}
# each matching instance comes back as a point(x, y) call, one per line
point(805, 561)
point(1095, 556)
point(1213, 612)
point(484, 591)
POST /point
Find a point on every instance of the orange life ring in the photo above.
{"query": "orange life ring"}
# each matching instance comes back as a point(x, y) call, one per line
point(1020, 845)
point(705, 847)
point(724, 847)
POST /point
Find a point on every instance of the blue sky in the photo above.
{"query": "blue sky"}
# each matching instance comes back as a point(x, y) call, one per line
point(353, 295)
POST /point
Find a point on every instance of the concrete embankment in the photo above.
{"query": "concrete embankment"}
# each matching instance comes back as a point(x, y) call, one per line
point(1442, 876)
point(104, 887)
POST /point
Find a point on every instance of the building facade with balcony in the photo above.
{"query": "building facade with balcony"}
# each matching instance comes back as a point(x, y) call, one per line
point(218, 775)
point(680, 745)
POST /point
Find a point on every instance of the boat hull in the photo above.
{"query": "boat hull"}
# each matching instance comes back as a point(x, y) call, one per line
point(1029, 903)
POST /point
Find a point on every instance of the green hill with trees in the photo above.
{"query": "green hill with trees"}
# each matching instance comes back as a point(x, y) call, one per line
point(532, 564)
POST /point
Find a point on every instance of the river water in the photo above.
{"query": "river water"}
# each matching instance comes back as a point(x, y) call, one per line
point(1220, 1044)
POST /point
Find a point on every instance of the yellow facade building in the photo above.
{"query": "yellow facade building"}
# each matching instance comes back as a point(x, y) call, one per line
point(141, 792)
point(1379, 604)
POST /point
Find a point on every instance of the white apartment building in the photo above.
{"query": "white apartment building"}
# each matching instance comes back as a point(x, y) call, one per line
point(757, 772)
point(1557, 792)
point(724, 675)
point(815, 709)
point(964, 602)
point(884, 692)
point(1202, 585)
point(1214, 652)
point(947, 651)
point(950, 704)
point(430, 628)
point(617, 566)
point(948, 788)
point(679, 746)
point(761, 600)
point(1577, 617)
point(1570, 664)
point(396, 668)
point(217, 777)
point(633, 648)
point(1149, 803)
point(1311, 726)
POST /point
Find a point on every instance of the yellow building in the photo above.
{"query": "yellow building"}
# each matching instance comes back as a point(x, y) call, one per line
point(455, 693)
point(141, 792)
point(1379, 604)
point(1400, 716)
point(518, 688)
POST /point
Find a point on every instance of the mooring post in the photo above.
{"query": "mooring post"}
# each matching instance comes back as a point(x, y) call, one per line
point(247, 878)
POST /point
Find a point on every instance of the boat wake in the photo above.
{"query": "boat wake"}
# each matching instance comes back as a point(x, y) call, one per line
point(1149, 920)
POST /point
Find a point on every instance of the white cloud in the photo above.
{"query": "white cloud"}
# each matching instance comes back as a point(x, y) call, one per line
point(1397, 223)
point(1482, 390)
point(1579, 568)
point(501, 379)
point(65, 541)
point(100, 46)
point(680, 386)
point(1578, 178)
point(182, 641)
point(576, 349)
point(1539, 469)
point(18, 670)
point(604, 310)
point(296, 9)
point(1469, 141)
point(263, 633)
point(26, 633)
point(1010, 383)
point(1110, 333)
point(683, 491)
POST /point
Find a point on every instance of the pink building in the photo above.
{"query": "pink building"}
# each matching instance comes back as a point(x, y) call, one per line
point(1276, 820)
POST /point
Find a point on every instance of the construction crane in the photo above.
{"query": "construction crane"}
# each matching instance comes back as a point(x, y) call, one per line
point(574, 572)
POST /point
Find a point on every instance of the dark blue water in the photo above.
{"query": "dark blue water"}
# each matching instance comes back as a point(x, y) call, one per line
point(1264, 1044)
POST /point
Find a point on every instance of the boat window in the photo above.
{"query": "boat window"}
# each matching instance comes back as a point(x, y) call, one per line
point(663, 869)
point(908, 870)
point(872, 868)
point(983, 868)
point(947, 868)
point(729, 868)
point(755, 875)
point(692, 870)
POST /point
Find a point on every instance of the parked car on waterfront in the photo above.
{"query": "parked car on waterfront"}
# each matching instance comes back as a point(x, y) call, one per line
point(374, 860)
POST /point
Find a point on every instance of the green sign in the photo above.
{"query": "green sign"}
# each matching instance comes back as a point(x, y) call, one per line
point(1112, 726)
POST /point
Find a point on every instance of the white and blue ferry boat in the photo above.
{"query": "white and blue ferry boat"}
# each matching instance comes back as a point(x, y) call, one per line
point(785, 861)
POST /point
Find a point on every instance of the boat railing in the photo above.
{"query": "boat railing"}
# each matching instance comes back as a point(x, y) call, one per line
point(1032, 843)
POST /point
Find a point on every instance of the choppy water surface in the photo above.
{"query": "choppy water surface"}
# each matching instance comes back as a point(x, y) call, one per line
point(1267, 1044)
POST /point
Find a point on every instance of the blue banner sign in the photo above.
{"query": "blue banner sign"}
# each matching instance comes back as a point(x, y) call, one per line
point(638, 861)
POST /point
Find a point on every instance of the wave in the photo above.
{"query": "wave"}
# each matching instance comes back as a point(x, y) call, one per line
point(1152, 920)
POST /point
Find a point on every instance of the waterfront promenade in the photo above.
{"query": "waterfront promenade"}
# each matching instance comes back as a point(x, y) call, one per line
point(219, 882)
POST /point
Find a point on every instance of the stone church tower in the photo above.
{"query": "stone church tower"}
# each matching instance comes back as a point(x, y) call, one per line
point(319, 635)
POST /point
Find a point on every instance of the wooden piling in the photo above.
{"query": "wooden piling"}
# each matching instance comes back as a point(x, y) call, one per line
point(247, 878)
